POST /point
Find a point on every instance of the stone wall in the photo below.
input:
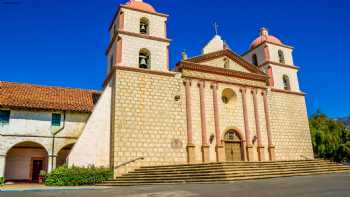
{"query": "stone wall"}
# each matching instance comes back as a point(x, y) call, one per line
point(290, 127)
point(148, 121)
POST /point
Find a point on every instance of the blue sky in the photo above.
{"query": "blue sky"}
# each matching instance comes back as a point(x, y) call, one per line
point(62, 42)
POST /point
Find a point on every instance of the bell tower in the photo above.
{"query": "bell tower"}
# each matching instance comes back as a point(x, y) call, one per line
point(275, 58)
point(138, 38)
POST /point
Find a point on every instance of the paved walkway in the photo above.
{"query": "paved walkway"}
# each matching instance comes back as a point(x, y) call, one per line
point(333, 185)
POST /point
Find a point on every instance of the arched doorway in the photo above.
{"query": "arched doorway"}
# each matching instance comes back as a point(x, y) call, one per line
point(233, 146)
point(24, 161)
point(63, 154)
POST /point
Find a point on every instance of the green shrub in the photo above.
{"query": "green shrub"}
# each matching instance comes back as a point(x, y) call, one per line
point(2, 181)
point(75, 176)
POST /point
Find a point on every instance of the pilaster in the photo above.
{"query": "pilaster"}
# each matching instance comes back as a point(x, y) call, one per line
point(257, 126)
point(219, 148)
point(250, 153)
point(205, 147)
point(2, 165)
point(271, 147)
point(190, 146)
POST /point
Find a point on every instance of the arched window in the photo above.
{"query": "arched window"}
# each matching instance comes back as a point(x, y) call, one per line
point(281, 56)
point(144, 59)
point(144, 26)
point(255, 59)
point(286, 82)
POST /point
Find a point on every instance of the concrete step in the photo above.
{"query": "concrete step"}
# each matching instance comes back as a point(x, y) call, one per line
point(224, 175)
point(225, 172)
point(218, 168)
point(239, 163)
point(129, 183)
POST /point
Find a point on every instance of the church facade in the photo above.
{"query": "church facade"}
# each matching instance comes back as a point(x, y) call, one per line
point(218, 106)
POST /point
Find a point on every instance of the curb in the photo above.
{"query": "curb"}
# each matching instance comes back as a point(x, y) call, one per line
point(50, 189)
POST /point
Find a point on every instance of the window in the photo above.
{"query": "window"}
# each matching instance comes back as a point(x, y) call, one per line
point(56, 120)
point(4, 117)
point(144, 59)
point(281, 57)
point(144, 26)
point(286, 82)
point(255, 59)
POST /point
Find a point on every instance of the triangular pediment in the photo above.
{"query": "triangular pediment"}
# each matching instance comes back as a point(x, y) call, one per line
point(226, 59)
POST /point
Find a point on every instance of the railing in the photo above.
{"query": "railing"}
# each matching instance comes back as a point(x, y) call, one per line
point(128, 162)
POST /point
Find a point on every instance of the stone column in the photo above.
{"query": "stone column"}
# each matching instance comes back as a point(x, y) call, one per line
point(268, 128)
point(249, 152)
point(51, 163)
point(257, 126)
point(190, 146)
point(2, 165)
point(205, 147)
point(219, 148)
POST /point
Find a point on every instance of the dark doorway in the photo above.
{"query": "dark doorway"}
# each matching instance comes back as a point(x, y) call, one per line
point(37, 166)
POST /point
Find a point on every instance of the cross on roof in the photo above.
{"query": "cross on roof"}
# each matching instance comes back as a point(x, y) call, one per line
point(216, 27)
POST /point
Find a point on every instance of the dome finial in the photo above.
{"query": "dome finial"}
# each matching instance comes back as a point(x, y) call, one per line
point(264, 32)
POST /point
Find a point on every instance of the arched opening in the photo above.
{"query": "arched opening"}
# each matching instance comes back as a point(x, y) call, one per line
point(281, 56)
point(233, 146)
point(286, 82)
point(144, 59)
point(228, 96)
point(255, 59)
point(144, 26)
point(25, 161)
point(62, 155)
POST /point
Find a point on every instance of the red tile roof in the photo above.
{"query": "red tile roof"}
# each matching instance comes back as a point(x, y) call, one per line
point(28, 96)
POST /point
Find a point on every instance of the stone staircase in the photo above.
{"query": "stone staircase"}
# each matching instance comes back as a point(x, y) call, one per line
point(224, 172)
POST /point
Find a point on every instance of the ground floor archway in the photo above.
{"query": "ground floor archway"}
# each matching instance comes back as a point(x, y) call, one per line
point(24, 161)
point(62, 155)
point(234, 149)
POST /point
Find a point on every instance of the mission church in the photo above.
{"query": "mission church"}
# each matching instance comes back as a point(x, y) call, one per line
point(218, 106)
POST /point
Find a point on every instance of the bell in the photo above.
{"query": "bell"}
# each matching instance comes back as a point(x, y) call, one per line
point(143, 62)
point(143, 28)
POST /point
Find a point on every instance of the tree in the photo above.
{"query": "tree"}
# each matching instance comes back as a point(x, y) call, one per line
point(330, 138)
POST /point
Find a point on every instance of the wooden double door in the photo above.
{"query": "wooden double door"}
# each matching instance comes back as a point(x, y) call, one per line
point(233, 146)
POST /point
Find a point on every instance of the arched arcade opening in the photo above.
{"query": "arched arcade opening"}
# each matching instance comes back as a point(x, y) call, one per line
point(24, 161)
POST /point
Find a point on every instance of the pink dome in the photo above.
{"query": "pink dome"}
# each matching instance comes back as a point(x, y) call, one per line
point(264, 36)
point(140, 5)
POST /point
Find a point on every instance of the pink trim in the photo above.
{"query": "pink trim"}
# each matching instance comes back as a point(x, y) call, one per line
point(257, 119)
point(201, 86)
point(257, 126)
point(267, 53)
point(216, 114)
point(188, 111)
point(267, 118)
point(119, 50)
point(121, 21)
point(245, 115)
point(270, 74)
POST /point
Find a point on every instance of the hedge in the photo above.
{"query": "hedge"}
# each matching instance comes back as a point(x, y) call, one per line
point(2, 181)
point(75, 176)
